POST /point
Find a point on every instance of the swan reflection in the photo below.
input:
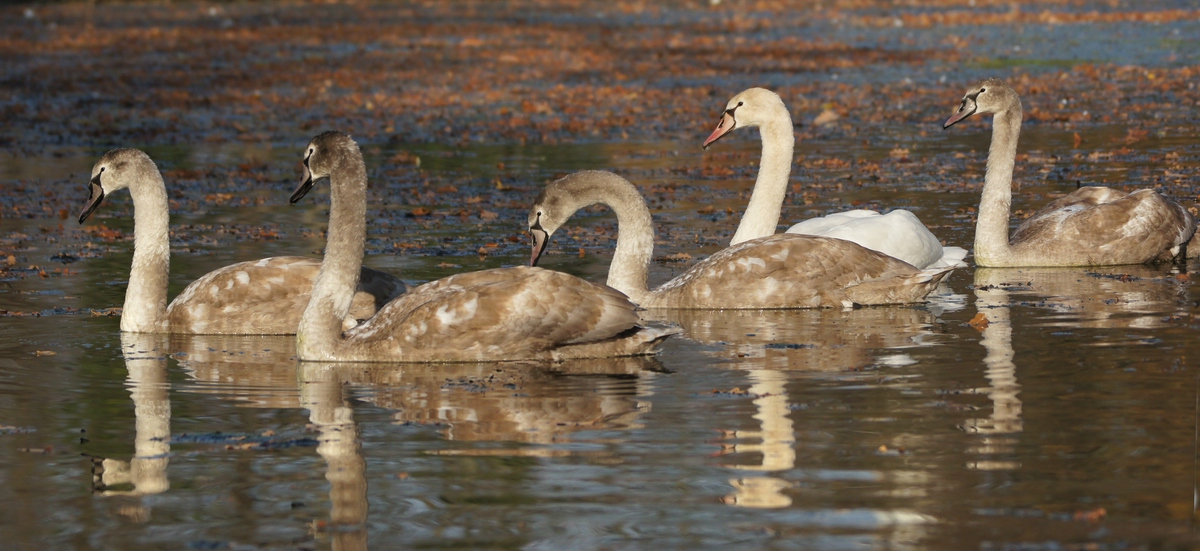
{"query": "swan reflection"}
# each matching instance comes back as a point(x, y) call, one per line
point(1100, 297)
point(536, 403)
point(771, 344)
point(534, 406)
point(146, 473)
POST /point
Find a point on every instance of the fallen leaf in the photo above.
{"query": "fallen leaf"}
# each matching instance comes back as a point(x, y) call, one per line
point(979, 322)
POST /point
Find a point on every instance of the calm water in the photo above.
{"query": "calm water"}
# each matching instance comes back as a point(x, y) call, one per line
point(1067, 421)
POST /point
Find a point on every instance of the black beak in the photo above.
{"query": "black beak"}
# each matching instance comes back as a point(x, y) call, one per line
point(95, 196)
point(306, 183)
point(965, 110)
point(540, 237)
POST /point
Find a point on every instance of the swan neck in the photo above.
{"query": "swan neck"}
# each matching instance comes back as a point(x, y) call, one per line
point(635, 231)
point(146, 296)
point(991, 230)
point(635, 243)
point(766, 201)
point(319, 333)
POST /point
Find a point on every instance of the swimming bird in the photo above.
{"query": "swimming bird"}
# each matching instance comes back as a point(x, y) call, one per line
point(257, 297)
point(1092, 226)
point(776, 271)
point(899, 233)
point(490, 315)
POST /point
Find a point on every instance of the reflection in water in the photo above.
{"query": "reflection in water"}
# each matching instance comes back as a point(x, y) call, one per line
point(992, 300)
point(321, 392)
point(768, 345)
point(1105, 297)
point(254, 371)
point(810, 340)
point(512, 402)
point(517, 402)
point(777, 447)
point(145, 474)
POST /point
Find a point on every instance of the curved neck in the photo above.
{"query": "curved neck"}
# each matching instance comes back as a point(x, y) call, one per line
point(766, 201)
point(991, 229)
point(146, 296)
point(635, 228)
point(320, 330)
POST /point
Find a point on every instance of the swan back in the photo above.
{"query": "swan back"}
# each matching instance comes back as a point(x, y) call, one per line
point(898, 234)
point(796, 271)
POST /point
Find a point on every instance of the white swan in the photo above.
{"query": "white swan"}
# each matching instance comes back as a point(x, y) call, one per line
point(777, 271)
point(1093, 226)
point(490, 315)
point(258, 297)
point(898, 233)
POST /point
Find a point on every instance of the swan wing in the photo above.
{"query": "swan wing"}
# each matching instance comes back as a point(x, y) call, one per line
point(1113, 227)
point(899, 234)
point(265, 297)
point(792, 271)
point(519, 309)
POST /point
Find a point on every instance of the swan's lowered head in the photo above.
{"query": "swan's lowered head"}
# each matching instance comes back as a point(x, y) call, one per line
point(986, 97)
point(116, 170)
point(752, 107)
point(554, 206)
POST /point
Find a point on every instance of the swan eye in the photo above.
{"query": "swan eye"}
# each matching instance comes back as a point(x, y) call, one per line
point(982, 90)
point(740, 103)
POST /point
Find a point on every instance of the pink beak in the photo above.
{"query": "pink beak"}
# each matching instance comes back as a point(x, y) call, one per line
point(724, 127)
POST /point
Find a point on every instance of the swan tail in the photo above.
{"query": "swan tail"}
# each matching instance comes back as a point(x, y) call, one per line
point(637, 341)
point(952, 257)
point(903, 289)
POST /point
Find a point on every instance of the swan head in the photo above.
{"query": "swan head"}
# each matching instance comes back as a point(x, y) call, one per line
point(563, 197)
point(322, 154)
point(116, 170)
point(986, 97)
point(752, 107)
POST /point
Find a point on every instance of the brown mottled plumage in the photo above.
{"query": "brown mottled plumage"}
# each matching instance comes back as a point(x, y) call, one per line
point(777, 271)
point(499, 314)
point(1092, 226)
point(258, 297)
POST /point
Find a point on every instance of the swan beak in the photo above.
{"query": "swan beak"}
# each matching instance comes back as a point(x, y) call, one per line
point(965, 110)
point(306, 183)
point(95, 196)
point(724, 127)
point(540, 237)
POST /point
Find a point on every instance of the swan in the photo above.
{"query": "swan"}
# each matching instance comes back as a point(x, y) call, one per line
point(258, 297)
point(776, 271)
point(899, 233)
point(1094, 226)
point(491, 315)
